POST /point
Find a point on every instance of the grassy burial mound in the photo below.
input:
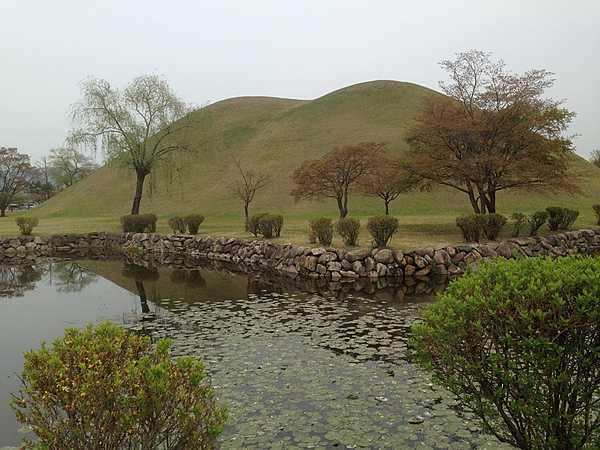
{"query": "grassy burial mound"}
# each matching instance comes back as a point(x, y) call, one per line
point(275, 135)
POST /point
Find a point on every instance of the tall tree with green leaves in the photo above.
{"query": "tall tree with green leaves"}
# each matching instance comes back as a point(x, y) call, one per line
point(142, 126)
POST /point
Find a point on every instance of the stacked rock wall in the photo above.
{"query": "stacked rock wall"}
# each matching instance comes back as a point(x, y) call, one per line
point(331, 263)
point(337, 264)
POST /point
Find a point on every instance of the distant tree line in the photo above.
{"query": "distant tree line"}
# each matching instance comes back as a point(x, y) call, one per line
point(22, 181)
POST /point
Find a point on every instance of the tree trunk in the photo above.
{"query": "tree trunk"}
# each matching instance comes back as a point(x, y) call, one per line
point(3, 212)
point(474, 202)
point(246, 215)
point(342, 207)
point(387, 207)
point(139, 190)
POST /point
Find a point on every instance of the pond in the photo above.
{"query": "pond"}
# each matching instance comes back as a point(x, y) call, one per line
point(299, 364)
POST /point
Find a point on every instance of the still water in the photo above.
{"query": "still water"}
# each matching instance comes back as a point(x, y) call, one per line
point(299, 365)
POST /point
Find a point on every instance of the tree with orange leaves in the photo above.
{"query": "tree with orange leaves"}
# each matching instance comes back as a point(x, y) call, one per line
point(493, 131)
point(336, 174)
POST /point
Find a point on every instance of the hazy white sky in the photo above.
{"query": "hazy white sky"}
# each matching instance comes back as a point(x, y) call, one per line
point(300, 49)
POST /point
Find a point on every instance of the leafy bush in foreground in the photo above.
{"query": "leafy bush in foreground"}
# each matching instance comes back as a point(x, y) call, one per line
point(322, 229)
point(536, 221)
point(177, 225)
point(349, 230)
point(193, 222)
point(26, 224)
point(139, 223)
point(102, 388)
point(382, 228)
point(518, 341)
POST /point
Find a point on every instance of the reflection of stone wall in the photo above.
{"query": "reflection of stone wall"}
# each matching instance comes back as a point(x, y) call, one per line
point(332, 264)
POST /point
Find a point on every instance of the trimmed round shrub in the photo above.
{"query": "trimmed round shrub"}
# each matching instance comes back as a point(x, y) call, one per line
point(193, 222)
point(536, 221)
point(270, 225)
point(518, 342)
point(349, 229)
point(596, 209)
point(493, 225)
point(139, 223)
point(177, 225)
point(253, 223)
point(26, 224)
point(323, 230)
point(518, 222)
point(561, 218)
point(101, 387)
point(382, 229)
point(472, 227)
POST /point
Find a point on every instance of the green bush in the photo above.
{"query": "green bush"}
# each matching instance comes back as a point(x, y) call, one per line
point(472, 227)
point(519, 221)
point(382, 229)
point(518, 342)
point(323, 230)
point(561, 218)
point(492, 225)
point(177, 225)
point(596, 209)
point(139, 223)
point(100, 387)
point(193, 222)
point(348, 229)
point(536, 221)
point(270, 225)
point(253, 223)
point(26, 224)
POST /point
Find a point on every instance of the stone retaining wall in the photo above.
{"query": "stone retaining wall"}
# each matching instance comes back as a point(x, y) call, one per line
point(314, 262)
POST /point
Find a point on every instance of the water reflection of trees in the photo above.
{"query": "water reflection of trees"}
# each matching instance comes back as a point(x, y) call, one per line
point(139, 275)
point(15, 280)
point(70, 277)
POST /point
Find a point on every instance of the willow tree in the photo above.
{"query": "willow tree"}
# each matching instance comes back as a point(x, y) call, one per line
point(141, 126)
point(336, 174)
point(493, 131)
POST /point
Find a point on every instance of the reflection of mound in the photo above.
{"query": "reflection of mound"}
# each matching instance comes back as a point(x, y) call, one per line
point(191, 278)
point(140, 273)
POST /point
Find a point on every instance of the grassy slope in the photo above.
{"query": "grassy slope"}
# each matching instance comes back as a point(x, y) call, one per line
point(276, 135)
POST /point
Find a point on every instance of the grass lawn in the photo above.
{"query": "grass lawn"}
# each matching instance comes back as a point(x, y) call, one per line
point(415, 230)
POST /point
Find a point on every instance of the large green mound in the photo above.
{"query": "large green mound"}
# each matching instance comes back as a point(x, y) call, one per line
point(275, 135)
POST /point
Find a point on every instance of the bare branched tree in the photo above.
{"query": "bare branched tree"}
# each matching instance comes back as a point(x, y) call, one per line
point(70, 165)
point(15, 174)
point(246, 187)
point(141, 126)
